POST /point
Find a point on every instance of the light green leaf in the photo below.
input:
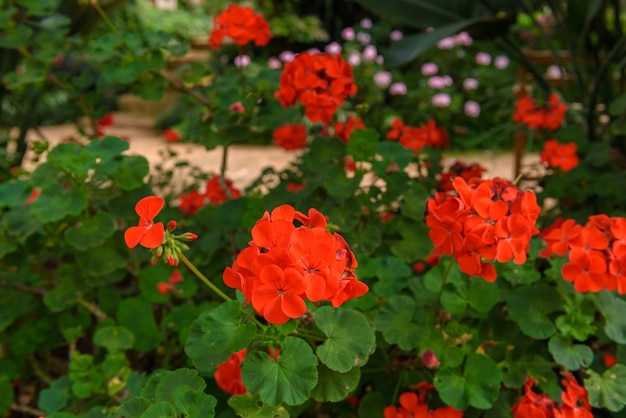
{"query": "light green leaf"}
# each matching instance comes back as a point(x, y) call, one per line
point(289, 379)
point(159, 410)
point(174, 384)
point(612, 308)
point(529, 307)
point(196, 404)
point(114, 338)
point(55, 203)
point(132, 408)
point(224, 329)
point(482, 295)
point(251, 406)
point(609, 389)
point(396, 320)
point(350, 338)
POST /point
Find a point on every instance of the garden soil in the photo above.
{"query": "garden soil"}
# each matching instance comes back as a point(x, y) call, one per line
point(245, 162)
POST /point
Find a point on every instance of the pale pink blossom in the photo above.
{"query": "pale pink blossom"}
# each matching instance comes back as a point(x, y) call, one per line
point(382, 79)
point(470, 84)
point(366, 23)
point(333, 48)
point(483, 58)
point(242, 61)
point(363, 37)
point(471, 108)
point(501, 61)
point(286, 56)
point(354, 59)
point(441, 100)
point(429, 68)
point(463, 38)
point(274, 63)
point(369, 53)
point(436, 82)
point(348, 34)
point(554, 72)
point(396, 35)
point(398, 89)
point(446, 43)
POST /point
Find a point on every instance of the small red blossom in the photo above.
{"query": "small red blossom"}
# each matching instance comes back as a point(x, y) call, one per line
point(33, 196)
point(557, 155)
point(343, 130)
point(429, 359)
point(459, 169)
point(237, 107)
point(147, 233)
point(290, 136)
point(228, 374)
point(164, 288)
point(295, 187)
point(609, 360)
point(416, 138)
point(175, 277)
point(171, 135)
point(548, 116)
point(242, 25)
point(219, 191)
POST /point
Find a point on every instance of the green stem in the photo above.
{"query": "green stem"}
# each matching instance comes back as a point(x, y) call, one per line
point(217, 290)
point(396, 391)
point(106, 19)
point(310, 334)
point(443, 283)
point(92, 308)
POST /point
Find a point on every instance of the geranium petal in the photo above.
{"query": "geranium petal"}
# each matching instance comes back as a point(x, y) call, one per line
point(149, 207)
point(133, 235)
point(153, 236)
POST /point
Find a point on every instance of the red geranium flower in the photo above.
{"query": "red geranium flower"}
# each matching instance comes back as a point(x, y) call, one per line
point(558, 155)
point(343, 130)
point(228, 374)
point(147, 233)
point(242, 25)
point(290, 136)
point(171, 135)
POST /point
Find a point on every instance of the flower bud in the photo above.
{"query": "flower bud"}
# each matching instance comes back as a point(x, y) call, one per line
point(171, 225)
point(429, 359)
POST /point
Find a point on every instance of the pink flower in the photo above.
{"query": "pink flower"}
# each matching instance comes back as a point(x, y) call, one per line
point(470, 84)
point(333, 48)
point(441, 100)
point(483, 58)
point(398, 89)
point(446, 43)
point(396, 35)
point(366, 23)
point(369, 53)
point(347, 34)
point(274, 63)
point(286, 56)
point(380, 60)
point(430, 68)
point(447, 80)
point(436, 82)
point(363, 37)
point(554, 72)
point(463, 38)
point(471, 108)
point(382, 79)
point(501, 61)
point(242, 61)
point(354, 59)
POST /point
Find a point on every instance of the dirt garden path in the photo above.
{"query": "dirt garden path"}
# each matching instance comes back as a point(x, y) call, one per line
point(245, 162)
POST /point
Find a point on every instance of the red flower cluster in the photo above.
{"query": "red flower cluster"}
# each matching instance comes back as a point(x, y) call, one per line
point(295, 187)
point(597, 252)
point(416, 138)
point(228, 374)
point(242, 25)
point(539, 405)
point(193, 201)
point(107, 120)
point(147, 233)
point(166, 287)
point(487, 220)
point(283, 265)
point(557, 155)
point(321, 82)
point(459, 169)
point(290, 136)
point(171, 135)
point(548, 116)
point(413, 405)
point(343, 130)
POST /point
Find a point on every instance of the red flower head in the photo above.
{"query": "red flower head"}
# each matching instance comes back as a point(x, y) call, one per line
point(171, 135)
point(228, 374)
point(295, 187)
point(147, 233)
point(191, 202)
point(343, 130)
point(240, 24)
point(215, 190)
point(549, 116)
point(290, 136)
point(558, 155)
point(533, 405)
point(416, 138)
point(320, 82)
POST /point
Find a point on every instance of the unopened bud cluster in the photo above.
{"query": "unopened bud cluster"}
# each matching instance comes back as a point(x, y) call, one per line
point(169, 251)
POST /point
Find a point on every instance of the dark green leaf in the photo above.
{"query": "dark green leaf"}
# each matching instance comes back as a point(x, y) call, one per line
point(396, 321)
point(225, 331)
point(289, 379)
point(570, 356)
point(136, 315)
point(92, 232)
point(55, 203)
point(132, 408)
point(333, 386)
point(609, 389)
point(612, 308)
point(114, 338)
point(529, 306)
point(196, 404)
point(249, 406)
point(174, 384)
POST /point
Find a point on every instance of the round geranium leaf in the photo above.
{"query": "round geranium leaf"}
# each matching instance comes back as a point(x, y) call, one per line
point(607, 390)
point(350, 338)
point(333, 386)
point(174, 384)
point(55, 203)
point(224, 329)
point(289, 379)
point(478, 385)
point(159, 410)
point(250, 406)
point(570, 356)
point(91, 232)
point(114, 338)
point(196, 404)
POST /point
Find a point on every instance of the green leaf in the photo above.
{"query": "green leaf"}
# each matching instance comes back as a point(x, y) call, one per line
point(136, 315)
point(482, 295)
point(13, 193)
point(100, 261)
point(150, 87)
point(529, 306)
point(396, 320)
point(289, 379)
point(454, 297)
point(6, 394)
point(250, 406)
point(350, 338)
point(132, 407)
point(334, 386)
point(612, 308)
point(363, 144)
point(224, 330)
point(570, 356)
point(15, 37)
point(114, 338)
point(159, 410)
point(392, 274)
point(618, 106)
point(92, 232)
point(609, 389)
point(174, 384)
point(130, 174)
point(478, 386)
point(199, 351)
point(196, 404)
point(391, 152)
point(55, 203)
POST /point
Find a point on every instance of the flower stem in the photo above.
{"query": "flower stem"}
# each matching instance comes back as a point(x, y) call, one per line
point(217, 290)
point(92, 308)
point(443, 283)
